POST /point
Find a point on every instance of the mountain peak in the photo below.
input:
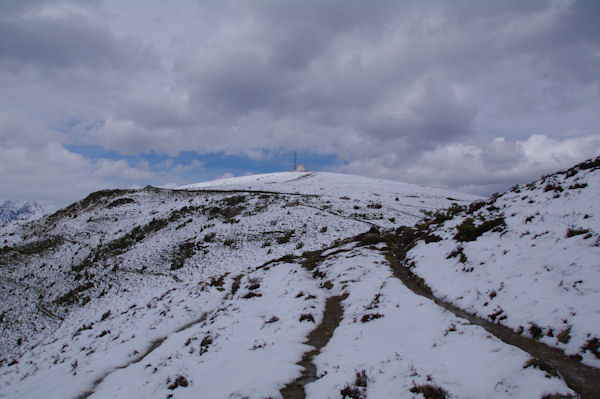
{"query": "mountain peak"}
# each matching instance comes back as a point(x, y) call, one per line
point(11, 211)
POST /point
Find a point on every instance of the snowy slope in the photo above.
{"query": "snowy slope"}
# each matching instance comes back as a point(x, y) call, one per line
point(273, 285)
point(540, 272)
point(375, 200)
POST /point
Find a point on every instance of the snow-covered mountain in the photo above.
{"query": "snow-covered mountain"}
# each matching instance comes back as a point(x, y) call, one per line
point(11, 211)
point(306, 284)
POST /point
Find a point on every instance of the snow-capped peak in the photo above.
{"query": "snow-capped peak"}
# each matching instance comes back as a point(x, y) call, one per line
point(11, 211)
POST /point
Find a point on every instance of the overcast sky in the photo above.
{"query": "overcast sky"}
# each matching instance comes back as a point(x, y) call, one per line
point(471, 95)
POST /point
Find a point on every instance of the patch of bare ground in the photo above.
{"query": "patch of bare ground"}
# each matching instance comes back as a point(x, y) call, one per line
point(318, 338)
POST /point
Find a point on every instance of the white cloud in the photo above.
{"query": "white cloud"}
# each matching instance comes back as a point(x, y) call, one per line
point(497, 165)
point(227, 175)
point(33, 165)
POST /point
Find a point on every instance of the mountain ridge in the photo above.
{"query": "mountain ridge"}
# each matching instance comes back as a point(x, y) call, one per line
point(165, 289)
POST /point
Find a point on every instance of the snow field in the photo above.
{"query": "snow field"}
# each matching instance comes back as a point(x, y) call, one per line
point(411, 341)
point(532, 274)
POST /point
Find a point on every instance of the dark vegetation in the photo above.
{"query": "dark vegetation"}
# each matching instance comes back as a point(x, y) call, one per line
point(184, 251)
point(559, 396)
point(229, 209)
point(119, 202)
point(307, 317)
point(180, 381)
point(370, 316)
point(430, 391)
point(592, 345)
point(442, 216)
point(469, 231)
point(105, 315)
point(205, 344)
point(285, 237)
point(458, 252)
point(122, 244)
point(218, 281)
point(576, 186)
point(34, 247)
point(74, 295)
point(557, 188)
point(572, 232)
point(564, 336)
point(357, 390)
point(535, 331)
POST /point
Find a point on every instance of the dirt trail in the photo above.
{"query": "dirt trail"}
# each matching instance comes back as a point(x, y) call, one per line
point(318, 338)
point(305, 176)
point(151, 348)
point(584, 380)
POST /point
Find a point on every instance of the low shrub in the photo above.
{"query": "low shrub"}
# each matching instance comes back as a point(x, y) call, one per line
point(475, 206)
point(592, 345)
point(356, 390)
point(430, 391)
point(210, 237)
point(184, 251)
point(551, 187)
point(458, 251)
point(370, 316)
point(73, 296)
point(572, 232)
point(307, 317)
point(577, 185)
point(119, 202)
point(180, 381)
point(535, 331)
point(286, 237)
point(235, 200)
point(468, 231)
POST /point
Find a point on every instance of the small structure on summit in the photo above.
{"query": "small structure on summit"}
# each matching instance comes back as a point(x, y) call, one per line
point(301, 168)
point(298, 167)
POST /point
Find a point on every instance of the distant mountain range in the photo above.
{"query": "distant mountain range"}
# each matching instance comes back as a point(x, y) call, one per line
point(11, 211)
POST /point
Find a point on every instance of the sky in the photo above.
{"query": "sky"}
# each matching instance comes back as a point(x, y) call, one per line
point(475, 96)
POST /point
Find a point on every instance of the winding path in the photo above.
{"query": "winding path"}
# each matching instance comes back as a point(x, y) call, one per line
point(318, 338)
point(584, 380)
point(151, 348)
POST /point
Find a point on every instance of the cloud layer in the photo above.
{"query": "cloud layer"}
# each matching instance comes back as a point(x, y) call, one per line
point(403, 90)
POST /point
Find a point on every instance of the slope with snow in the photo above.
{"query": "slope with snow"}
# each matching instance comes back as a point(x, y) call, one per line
point(538, 271)
point(252, 287)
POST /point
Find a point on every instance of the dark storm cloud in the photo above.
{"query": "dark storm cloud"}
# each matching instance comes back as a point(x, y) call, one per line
point(38, 35)
point(384, 85)
point(373, 78)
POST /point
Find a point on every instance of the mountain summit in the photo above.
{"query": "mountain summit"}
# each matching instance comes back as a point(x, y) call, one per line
point(307, 284)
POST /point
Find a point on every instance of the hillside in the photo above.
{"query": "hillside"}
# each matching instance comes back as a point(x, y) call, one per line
point(537, 268)
point(294, 285)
